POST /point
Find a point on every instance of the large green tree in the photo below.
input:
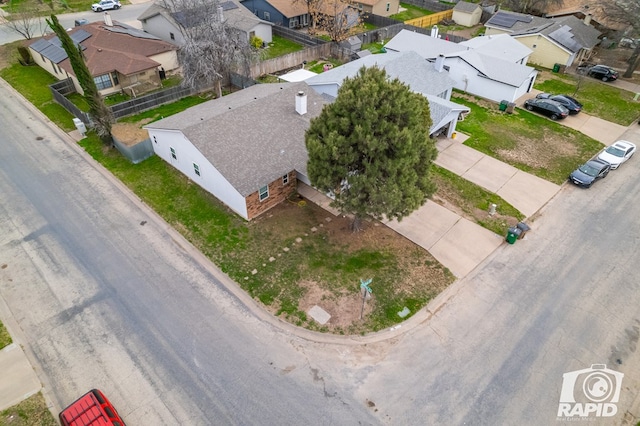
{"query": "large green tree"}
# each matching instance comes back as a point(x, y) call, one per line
point(371, 148)
point(100, 114)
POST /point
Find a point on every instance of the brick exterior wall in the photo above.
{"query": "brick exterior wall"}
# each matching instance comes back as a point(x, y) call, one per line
point(278, 192)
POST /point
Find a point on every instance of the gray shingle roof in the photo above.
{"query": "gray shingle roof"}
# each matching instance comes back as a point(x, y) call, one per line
point(408, 67)
point(466, 7)
point(497, 69)
point(501, 46)
point(428, 49)
point(252, 136)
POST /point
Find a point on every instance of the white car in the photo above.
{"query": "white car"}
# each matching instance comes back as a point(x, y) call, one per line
point(617, 153)
point(105, 5)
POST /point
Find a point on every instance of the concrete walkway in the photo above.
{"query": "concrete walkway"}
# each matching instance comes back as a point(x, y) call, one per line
point(19, 381)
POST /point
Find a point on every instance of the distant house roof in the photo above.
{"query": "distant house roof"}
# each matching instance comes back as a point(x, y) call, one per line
point(236, 15)
point(297, 75)
point(119, 47)
point(490, 66)
point(466, 7)
point(567, 31)
point(408, 67)
point(500, 46)
point(289, 8)
point(252, 136)
point(409, 40)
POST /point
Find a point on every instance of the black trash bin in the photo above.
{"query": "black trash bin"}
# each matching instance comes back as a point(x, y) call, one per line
point(513, 233)
point(523, 227)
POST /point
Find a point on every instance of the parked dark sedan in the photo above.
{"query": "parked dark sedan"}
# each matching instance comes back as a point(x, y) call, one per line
point(601, 72)
point(567, 101)
point(590, 172)
point(552, 109)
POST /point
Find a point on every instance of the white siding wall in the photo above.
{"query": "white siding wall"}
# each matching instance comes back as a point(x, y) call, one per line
point(264, 32)
point(162, 28)
point(467, 80)
point(210, 178)
point(168, 60)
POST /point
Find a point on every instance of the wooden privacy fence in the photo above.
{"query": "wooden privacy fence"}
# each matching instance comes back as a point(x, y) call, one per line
point(430, 20)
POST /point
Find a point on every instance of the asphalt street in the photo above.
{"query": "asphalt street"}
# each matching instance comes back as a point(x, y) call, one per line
point(104, 296)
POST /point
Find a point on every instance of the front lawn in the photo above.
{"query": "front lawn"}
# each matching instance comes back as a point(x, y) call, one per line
point(603, 100)
point(33, 411)
point(525, 140)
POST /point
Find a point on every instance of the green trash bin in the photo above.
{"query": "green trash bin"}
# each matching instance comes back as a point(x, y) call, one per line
point(503, 105)
point(512, 234)
point(556, 67)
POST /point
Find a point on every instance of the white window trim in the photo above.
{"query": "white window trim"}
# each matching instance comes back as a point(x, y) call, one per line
point(260, 193)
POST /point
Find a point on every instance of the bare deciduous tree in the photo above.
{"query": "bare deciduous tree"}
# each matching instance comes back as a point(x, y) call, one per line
point(534, 7)
point(628, 12)
point(338, 19)
point(212, 47)
point(25, 20)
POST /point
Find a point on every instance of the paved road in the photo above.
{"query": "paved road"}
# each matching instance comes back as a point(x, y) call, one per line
point(104, 297)
point(127, 14)
point(560, 300)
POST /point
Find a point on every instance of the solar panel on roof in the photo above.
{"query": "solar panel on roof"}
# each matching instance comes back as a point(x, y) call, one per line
point(80, 36)
point(564, 36)
point(507, 20)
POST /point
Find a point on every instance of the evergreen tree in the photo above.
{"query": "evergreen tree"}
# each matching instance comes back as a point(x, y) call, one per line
point(100, 114)
point(371, 148)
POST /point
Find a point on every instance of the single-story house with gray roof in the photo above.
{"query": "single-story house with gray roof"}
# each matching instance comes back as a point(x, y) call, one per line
point(246, 148)
point(410, 68)
point(166, 24)
point(475, 72)
point(564, 40)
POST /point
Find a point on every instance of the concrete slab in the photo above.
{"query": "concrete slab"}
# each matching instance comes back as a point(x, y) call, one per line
point(19, 381)
point(490, 173)
point(458, 158)
point(601, 130)
point(319, 315)
point(464, 247)
point(527, 193)
point(316, 197)
point(426, 225)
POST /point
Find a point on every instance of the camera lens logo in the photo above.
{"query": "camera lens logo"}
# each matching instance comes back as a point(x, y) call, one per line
point(590, 392)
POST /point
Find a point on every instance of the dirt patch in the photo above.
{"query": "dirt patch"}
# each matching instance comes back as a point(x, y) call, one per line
point(420, 276)
point(540, 154)
point(129, 133)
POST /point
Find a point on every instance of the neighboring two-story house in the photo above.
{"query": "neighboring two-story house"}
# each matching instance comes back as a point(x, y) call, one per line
point(165, 24)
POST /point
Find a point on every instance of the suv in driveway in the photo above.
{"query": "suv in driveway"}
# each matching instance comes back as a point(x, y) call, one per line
point(105, 5)
point(601, 72)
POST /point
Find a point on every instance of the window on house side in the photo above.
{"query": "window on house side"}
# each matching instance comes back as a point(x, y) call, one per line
point(172, 36)
point(388, 6)
point(267, 16)
point(114, 77)
point(155, 140)
point(173, 153)
point(285, 179)
point(264, 193)
point(196, 169)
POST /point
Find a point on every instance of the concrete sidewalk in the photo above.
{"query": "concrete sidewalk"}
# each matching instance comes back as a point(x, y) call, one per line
point(19, 381)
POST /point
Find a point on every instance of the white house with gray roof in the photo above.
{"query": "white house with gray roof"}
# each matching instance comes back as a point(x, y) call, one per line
point(246, 148)
point(564, 40)
point(410, 68)
point(482, 72)
point(166, 24)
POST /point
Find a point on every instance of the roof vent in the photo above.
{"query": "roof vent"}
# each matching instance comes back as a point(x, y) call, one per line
point(301, 103)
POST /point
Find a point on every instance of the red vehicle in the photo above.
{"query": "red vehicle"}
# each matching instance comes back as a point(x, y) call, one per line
point(92, 409)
